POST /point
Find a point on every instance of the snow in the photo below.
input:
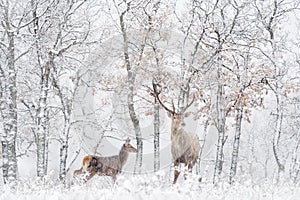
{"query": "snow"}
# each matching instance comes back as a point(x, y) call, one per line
point(150, 186)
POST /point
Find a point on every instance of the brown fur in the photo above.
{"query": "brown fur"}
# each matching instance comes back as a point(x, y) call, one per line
point(185, 147)
point(105, 166)
point(85, 163)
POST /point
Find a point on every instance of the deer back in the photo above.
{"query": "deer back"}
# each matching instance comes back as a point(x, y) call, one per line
point(112, 165)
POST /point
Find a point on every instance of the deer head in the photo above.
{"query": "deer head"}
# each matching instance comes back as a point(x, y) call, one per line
point(177, 118)
point(128, 147)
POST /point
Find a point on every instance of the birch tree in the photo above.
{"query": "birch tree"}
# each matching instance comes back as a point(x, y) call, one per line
point(131, 82)
point(154, 18)
point(41, 116)
point(68, 38)
point(53, 34)
point(13, 21)
point(66, 98)
point(269, 15)
point(133, 62)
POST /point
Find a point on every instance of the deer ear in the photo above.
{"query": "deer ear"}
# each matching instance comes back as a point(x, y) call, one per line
point(169, 114)
point(127, 140)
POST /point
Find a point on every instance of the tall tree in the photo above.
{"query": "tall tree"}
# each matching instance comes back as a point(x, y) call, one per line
point(269, 15)
point(131, 75)
point(69, 37)
point(11, 26)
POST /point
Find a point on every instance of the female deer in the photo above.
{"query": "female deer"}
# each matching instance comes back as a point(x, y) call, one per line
point(106, 166)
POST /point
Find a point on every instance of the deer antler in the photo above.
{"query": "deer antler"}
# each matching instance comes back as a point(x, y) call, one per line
point(189, 104)
point(156, 93)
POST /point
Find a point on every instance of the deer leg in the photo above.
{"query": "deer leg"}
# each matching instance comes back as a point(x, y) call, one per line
point(77, 172)
point(185, 172)
point(176, 171)
point(90, 175)
point(190, 167)
point(114, 178)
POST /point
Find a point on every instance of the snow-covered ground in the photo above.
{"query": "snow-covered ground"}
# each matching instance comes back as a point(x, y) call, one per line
point(155, 186)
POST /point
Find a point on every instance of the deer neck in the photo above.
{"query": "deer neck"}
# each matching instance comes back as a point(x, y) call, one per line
point(123, 155)
point(176, 128)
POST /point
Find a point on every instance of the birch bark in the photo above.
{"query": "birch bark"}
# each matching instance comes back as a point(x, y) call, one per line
point(236, 142)
point(156, 137)
point(9, 105)
point(220, 127)
point(131, 81)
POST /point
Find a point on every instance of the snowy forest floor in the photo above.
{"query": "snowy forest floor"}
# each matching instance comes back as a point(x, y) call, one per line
point(149, 187)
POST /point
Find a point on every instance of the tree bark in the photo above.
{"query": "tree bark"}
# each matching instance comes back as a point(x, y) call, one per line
point(67, 106)
point(275, 89)
point(220, 128)
point(276, 138)
point(205, 132)
point(130, 102)
point(295, 166)
point(43, 119)
point(136, 123)
point(9, 110)
point(156, 137)
point(236, 142)
point(63, 151)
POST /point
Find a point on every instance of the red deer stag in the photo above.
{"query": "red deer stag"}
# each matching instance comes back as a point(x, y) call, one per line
point(105, 166)
point(185, 147)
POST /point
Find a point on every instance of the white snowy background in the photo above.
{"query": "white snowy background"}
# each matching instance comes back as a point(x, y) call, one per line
point(256, 177)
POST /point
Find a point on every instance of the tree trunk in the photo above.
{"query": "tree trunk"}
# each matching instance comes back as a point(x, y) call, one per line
point(236, 142)
point(295, 166)
point(279, 108)
point(220, 128)
point(276, 138)
point(156, 137)
point(64, 136)
point(3, 143)
point(42, 118)
point(9, 114)
point(205, 132)
point(42, 121)
point(130, 102)
point(136, 124)
point(4, 156)
point(63, 152)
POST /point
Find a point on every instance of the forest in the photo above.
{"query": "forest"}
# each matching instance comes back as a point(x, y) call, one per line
point(79, 77)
